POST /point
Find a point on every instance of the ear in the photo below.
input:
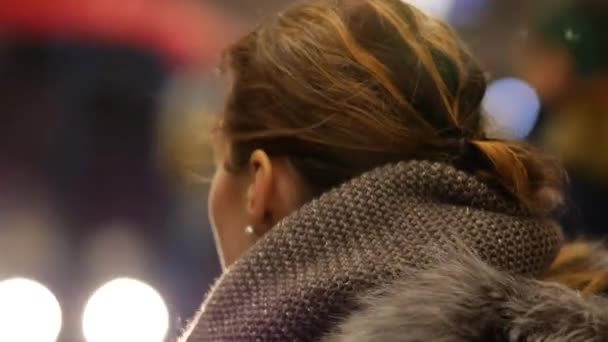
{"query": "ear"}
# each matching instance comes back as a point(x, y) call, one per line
point(259, 191)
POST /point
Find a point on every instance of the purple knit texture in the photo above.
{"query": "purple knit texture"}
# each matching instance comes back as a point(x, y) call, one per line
point(309, 270)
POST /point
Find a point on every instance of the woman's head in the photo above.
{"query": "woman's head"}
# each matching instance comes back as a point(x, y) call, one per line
point(333, 88)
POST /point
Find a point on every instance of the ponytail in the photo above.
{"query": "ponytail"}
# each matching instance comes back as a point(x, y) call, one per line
point(533, 178)
point(581, 266)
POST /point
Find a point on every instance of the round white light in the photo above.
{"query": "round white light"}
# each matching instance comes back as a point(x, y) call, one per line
point(28, 312)
point(435, 8)
point(512, 107)
point(125, 310)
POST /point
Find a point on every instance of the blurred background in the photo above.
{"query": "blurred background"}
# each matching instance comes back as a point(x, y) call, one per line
point(104, 109)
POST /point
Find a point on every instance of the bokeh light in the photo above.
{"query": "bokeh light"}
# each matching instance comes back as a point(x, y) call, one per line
point(435, 8)
point(29, 312)
point(125, 310)
point(512, 107)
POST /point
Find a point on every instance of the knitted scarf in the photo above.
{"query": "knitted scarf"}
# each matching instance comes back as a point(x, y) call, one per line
point(307, 273)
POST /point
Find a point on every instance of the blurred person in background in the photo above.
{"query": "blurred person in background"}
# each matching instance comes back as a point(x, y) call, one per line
point(351, 158)
point(567, 63)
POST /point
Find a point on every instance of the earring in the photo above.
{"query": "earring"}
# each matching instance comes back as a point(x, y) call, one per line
point(250, 231)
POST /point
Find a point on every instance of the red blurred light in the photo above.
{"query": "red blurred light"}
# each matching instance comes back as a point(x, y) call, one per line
point(181, 31)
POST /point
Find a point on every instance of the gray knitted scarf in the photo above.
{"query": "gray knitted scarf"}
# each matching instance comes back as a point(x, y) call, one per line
point(308, 271)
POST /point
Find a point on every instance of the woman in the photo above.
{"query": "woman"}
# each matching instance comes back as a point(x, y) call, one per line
point(351, 159)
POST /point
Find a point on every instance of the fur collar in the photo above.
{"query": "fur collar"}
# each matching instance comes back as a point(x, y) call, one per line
point(464, 299)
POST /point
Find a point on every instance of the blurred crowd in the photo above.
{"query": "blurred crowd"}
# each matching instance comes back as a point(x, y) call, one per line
point(106, 105)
